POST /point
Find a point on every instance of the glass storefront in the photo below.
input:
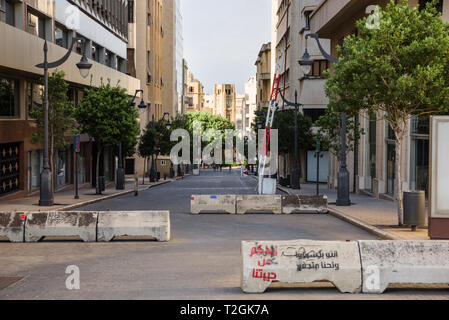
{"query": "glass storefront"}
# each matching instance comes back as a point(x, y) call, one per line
point(419, 154)
point(391, 160)
point(35, 166)
point(82, 164)
point(370, 149)
point(62, 168)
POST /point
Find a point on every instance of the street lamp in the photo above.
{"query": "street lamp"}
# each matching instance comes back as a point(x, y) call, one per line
point(343, 174)
point(120, 171)
point(295, 175)
point(46, 194)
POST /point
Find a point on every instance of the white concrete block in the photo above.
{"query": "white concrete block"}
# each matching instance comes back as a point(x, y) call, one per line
point(304, 203)
point(61, 224)
point(12, 225)
point(300, 261)
point(212, 204)
point(154, 224)
point(403, 262)
point(258, 203)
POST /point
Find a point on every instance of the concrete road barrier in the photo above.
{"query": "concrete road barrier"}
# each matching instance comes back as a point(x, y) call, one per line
point(258, 203)
point(12, 226)
point(61, 224)
point(304, 203)
point(403, 262)
point(212, 204)
point(300, 261)
point(154, 224)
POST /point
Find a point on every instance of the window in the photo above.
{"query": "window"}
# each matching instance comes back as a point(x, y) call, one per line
point(314, 114)
point(318, 68)
point(9, 98)
point(149, 19)
point(131, 11)
point(61, 36)
point(7, 12)
point(307, 20)
point(34, 95)
point(107, 58)
point(35, 24)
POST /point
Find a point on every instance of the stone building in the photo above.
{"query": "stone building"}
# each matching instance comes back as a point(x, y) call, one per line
point(290, 25)
point(195, 93)
point(371, 166)
point(24, 27)
point(225, 101)
point(263, 76)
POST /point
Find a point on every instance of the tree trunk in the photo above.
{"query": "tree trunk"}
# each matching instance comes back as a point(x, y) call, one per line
point(144, 169)
point(400, 134)
point(97, 173)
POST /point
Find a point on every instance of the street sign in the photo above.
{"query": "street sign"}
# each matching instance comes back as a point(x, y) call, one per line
point(76, 143)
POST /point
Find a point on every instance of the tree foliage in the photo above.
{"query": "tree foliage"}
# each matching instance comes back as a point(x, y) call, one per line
point(208, 121)
point(106, 115)
point(329, 131)
point(284, 121)
point(398, 71)
point(61, 121)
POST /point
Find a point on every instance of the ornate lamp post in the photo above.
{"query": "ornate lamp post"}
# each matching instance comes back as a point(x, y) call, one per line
point(46, 193)
point(343, 174)
point(295, 176)
point(120, 171)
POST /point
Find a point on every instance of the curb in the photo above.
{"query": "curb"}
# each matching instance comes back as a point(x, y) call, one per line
point(362, 225)
point(355, 222)
point(86, 203)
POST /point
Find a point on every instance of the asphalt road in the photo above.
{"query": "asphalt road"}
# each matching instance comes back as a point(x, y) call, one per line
point(202, 260)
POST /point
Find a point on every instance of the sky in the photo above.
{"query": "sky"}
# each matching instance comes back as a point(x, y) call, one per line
point(222, 39)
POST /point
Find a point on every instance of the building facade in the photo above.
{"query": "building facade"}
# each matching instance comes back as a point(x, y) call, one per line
point(225, 101)
point(24, 27)
point(290, 25)
point(250, 103)
point(263, 76)
point(372, 164)
point(194, 95)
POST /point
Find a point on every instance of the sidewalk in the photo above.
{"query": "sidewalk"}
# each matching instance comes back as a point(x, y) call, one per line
point(375, 215)
point(64, 200)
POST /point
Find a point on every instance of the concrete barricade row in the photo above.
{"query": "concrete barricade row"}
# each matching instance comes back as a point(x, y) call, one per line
point(258, 203)
point(12, 226)
point(242, 204)
point(403, 262)
point(89, 226)
point(155, 224)
point(304, 203)
point(212, 204)
point(353, 266)
point(61, 224)
point(300, 261)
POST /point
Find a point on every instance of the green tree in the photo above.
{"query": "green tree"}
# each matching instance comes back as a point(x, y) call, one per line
point(61, 119)
point(208, 121)
point(284, 121)
point(399, 70)
point(107, 117)
point(329, 131)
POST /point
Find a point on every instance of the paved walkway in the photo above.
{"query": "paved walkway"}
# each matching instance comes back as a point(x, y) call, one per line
point(64, 200)
point(377, 214)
